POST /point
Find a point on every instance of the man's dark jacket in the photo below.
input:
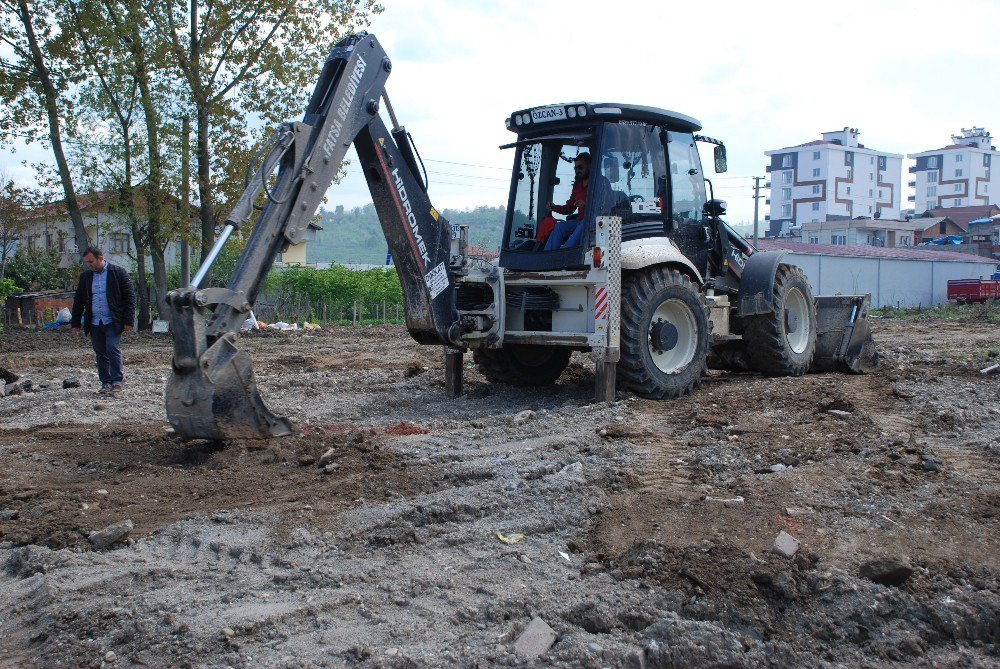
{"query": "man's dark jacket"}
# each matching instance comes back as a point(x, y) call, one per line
point(121, 298)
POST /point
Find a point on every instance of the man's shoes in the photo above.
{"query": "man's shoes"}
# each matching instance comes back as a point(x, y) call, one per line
point(116, 390)
point(105, 389)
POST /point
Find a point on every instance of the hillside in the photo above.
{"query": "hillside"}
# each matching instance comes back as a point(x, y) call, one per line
point(355, 235)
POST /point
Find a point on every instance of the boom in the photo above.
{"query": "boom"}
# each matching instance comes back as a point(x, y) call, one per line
point(212, 393)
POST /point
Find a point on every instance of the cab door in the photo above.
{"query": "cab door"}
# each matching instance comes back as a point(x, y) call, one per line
point(689, 227)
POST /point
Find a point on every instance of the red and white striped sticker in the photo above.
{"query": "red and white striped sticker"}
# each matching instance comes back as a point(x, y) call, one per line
point(601, 304)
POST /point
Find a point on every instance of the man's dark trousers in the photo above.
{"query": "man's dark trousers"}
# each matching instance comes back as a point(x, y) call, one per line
point(107, 340)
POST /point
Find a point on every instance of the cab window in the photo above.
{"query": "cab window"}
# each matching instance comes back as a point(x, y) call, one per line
point(544, 174)
point(632, 161)
point(687, 183)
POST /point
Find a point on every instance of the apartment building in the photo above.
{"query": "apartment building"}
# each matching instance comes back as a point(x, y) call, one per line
point(835, 178)
point(957, 175)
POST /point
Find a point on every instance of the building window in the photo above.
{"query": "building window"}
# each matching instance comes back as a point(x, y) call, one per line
point(48, 240)
point(904, 240)
point(930, 204)
point(869, 209)
point(871, 176)
point(848, 190)
point(786, 161)
point(786, 210)
point(786, 177)
point(958, 173)
point(958, 188)
point(850, 173)
point(931, 190)
point(119, 244)
point(986, 160)
point(815, 155)
point(943, 228)
point(813, 239)
point(959, 158)
point(986, 188)
point(881, 162)
point(838, 239)
point(870, 193)
point(880, 193)
point(815, 206)
point(786, 193)
point(815, 171)
point(932, 177)
point(932, 162)
point(815, 189)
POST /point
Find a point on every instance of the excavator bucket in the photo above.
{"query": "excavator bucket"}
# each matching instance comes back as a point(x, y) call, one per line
point(843, 336)
point(212, 393)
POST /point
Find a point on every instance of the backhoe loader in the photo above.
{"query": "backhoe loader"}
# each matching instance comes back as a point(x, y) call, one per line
point(656, 286)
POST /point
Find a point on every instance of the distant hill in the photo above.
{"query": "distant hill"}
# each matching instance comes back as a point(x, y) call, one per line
point(355, 235)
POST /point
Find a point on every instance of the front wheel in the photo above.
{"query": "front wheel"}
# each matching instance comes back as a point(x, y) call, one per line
point(783, 341)
point(665, 334)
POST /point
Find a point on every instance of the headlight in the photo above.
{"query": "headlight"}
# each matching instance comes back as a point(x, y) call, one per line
point(581, 110)
point(571, 112)
point(517, 119)
point(526, 118)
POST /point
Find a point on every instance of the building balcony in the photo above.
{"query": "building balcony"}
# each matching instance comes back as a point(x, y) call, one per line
point(913, 169)
point(767, 169)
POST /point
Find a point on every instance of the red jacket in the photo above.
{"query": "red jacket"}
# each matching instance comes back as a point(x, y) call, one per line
point(579, 193)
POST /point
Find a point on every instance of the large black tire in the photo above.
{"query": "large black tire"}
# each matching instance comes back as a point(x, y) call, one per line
point(665, 334)
point(522, 365)
point(783, 342)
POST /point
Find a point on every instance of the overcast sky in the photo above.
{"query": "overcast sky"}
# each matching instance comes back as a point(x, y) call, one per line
point(759, 76)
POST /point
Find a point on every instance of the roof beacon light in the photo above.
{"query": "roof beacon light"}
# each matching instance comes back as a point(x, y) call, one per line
point(571, 112)
point(581, 110)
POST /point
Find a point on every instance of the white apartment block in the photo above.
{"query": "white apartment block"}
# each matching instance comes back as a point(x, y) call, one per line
point(957, 175)
point(832, 179)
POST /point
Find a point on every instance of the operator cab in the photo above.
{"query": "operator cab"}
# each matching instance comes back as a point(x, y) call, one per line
point(644, 167)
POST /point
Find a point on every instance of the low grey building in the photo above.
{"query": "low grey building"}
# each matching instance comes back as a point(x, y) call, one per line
point(905, 277)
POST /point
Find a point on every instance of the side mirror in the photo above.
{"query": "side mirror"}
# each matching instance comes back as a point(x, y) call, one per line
point(714, 208)
point(720, 159)
point(611, 169)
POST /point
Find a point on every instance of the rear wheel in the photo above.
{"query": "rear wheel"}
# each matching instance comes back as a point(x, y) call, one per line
point(782, 342)
point(665, 334)
point(522, 365)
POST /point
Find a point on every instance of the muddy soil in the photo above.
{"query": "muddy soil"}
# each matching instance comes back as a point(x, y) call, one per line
point(399, 528)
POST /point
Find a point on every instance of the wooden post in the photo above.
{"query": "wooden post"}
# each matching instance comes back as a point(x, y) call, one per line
point(453, 371)
point(604, 386)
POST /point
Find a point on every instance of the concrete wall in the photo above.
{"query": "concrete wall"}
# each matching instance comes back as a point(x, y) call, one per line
point(891, 282)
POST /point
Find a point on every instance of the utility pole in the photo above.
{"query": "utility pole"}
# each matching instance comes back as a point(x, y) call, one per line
point(756, 201)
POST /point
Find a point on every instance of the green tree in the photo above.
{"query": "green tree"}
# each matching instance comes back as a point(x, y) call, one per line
point(38, 76)
point(38, 270)
point(13, 206)
point(240, 57)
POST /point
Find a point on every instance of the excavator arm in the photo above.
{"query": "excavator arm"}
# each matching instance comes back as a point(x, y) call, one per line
point(212, 392)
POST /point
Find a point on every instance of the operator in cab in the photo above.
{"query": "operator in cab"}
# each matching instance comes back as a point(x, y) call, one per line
point(567, 234)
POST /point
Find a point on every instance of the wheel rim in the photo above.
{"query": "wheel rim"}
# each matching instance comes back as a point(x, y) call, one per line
point(672, 320)
point(797, 325)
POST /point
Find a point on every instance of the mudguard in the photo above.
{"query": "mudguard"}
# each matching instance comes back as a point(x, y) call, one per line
point(757, 283)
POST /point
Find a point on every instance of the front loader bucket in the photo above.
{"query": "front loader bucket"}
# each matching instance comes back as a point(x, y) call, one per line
point(217, 399)
point(843, 336)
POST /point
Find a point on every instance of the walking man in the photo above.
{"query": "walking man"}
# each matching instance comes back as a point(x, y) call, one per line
point(105, 305)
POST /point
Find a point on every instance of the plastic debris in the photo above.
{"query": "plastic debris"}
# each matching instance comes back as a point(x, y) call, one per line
point(510, 539)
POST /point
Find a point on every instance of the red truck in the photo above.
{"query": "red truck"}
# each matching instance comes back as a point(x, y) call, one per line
point(965, 291)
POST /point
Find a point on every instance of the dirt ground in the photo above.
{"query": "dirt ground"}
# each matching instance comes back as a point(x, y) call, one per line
point(647, 526)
